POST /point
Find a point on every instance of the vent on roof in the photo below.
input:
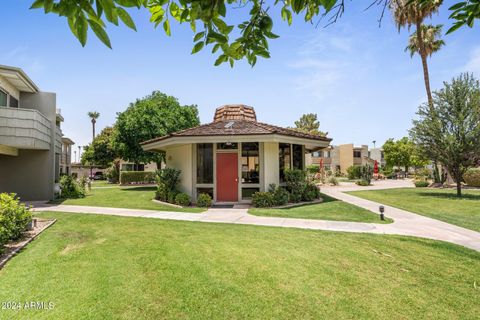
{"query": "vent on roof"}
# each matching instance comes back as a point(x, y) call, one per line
point(234, 112)
point(229, 125)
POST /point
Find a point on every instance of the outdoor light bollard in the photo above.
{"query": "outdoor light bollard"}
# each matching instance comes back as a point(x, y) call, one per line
point(382, 210)
point(34, 222)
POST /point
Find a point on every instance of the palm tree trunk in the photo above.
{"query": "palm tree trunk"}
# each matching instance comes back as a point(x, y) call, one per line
point(423, 56)
point(93, 129)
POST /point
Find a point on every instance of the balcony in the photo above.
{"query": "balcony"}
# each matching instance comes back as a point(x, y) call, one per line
point(24, 129)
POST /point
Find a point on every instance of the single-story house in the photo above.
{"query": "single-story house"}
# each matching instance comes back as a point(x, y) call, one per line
point(235, 155)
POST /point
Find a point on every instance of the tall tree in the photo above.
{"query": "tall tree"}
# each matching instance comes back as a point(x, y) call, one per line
point(251, 35)
point(450, 130)
point(101, 151)
point(153, 116)
point(431, 40)
point(403, 153)
point(93, 115)
point(308, 123)
point(408, 13)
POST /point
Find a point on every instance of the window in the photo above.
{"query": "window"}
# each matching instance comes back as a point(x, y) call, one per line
point(326, 154)
point(382, 155)
point(284, 158)
point(132, 167)
point(227, 146)
point(316, 154)
point(247, 193)
point(204, 163)
point(208, 191)
point(357, 154)
point(250, 163)
point(3, 99)
point(13, 102)
point(297, 156)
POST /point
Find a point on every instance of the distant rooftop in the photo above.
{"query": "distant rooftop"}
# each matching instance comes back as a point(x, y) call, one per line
point(18, 78)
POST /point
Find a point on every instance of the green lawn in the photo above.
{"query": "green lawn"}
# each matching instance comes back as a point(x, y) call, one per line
point(106, 267)
point(329, 209)
point(441, 204)
point(124, 197)
point(102, 183)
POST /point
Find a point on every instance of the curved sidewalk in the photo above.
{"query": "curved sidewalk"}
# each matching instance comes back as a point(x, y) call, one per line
point(405, 223)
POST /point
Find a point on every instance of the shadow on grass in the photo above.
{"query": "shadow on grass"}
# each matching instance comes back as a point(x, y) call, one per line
point(141, 188)
point(325, 198)
point(450, 195)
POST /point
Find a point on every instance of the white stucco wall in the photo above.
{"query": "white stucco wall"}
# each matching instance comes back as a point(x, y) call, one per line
point(181, 158)
point(271, 164)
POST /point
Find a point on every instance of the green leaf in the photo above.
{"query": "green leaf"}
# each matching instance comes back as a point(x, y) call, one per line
point(166, 27)
point(198, 46)
point(129, 3)
point(220, 24)
point(222, 10)
point(329, 4)
point(457, 6)
point(199, 36)
point(221, 59)
point(37, 4)
point(71, 24)
point(81, 26)
point(287, 15)
point(215, 47)
point(456, 26)
point(126, 19)
point(48, 6)
point(231, 62)
point(271, 35)
point(100, 32)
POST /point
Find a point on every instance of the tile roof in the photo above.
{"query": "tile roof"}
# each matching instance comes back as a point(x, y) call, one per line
point(238, 127)
point(234, 112)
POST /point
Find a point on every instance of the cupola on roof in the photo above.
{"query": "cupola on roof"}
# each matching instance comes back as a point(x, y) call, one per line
point(234, 112)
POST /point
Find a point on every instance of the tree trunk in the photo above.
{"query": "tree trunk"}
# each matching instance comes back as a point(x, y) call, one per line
point(436, 172)
point(458, 179)
point(93, 130)
point(159, 165)
point(423, 56)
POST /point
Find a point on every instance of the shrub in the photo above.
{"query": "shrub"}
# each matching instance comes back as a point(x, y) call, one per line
point(172, 195)
point(366, 173)
point(421, 183)
point(204, 200)
point(137, 177)
point(113, 173)
point(280, 195)
point(263, 199)
point(70, 188)
point(182, 199)
point(14, 218)
point(311, 192)
point(472, 177)
point(363, 183)
point(296, 183)
point(161, 193)
point(333, 181)
point(313, 168)
point(354, 172)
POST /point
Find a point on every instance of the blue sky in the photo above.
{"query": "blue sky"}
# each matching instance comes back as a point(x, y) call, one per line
point(353, 74)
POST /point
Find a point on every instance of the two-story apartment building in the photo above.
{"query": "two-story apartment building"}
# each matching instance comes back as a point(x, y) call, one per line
point(340, 157)
point(66, 156)
point(30, 137)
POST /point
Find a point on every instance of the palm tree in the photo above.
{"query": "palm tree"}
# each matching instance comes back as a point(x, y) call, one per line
point(407, 13)
point(431, 40)
point(93, 117)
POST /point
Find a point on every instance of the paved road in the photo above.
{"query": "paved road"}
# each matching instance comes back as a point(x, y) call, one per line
point(405, 223)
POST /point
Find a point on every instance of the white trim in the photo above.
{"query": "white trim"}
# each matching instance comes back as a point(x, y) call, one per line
point(178, 140)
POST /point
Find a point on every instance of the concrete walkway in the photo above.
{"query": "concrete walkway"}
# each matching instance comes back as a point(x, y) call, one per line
point(405, 223)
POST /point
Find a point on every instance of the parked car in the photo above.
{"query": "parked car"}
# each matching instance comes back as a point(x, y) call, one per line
point(97, 176)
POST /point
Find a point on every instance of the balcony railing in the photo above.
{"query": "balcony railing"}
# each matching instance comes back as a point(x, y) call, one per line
point(24, 129)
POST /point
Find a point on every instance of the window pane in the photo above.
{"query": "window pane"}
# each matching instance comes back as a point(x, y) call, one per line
point(208, 191)
point(297, 156)
point(204, 163)
point(284, 158)
point(13, 102)
point(247, 193)
point(227, 146)
point(250, 163)
point(3, 99)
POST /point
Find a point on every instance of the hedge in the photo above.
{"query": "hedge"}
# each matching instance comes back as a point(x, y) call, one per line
point(472, 177)
point(137, 177)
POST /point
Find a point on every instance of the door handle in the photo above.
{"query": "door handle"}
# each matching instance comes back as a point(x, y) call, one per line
point(236, 179)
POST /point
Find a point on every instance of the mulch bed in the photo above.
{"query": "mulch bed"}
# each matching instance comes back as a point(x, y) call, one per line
point(12, 248)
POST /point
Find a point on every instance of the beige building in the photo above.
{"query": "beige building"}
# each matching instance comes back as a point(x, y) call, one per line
point(66, 156)
point(340, 157)
point(235, 155)
point(30, 137)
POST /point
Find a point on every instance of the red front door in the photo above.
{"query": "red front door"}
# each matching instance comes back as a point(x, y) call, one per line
point(227, 177)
